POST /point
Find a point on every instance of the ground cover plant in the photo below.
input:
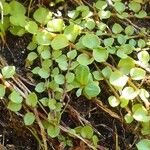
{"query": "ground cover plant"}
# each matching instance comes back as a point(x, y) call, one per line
point(81, 59)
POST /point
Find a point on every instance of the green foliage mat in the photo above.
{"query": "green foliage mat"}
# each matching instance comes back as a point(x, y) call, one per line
point(92, 53)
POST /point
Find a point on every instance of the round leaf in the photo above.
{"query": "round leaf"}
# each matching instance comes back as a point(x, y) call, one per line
point(16, 8)
point(84, 59)
point(14, 106)
point(117, 28)
point(59, 42)
point(113, 101)
point(87, 132)
point(128, 118)
point(29, 118)
point(40, 87)
point(100, 54)
point(32, 99)
point(59, 79)
point(82, 74)
point(8, 71)
point(129, 93)
point(119, 6)
point(15, 97)
point(32, 56)
point(118, 79)
point(92, 90)
point(55, 25)
point(53, 131)
point(137, 73)
point(42, 15)
point(90, 41)
point(31, 27)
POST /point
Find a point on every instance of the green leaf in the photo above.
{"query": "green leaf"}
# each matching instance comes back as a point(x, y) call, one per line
point(124, 102)
point(82, 74)
point(59, 42)
point(104, 14)
point(16, 8)
point(32, 56)
point(145, 128)
point(107, 72)
point(92, 90)
point(14, 106)
point(52, 104)
point(129, 93)
point(53, 131)
point(100, 54)
point(84, 10)
point(121, 39)
point(72, 31)
point(59, 79)
point(46, 64)
point(108, 42)
point(141, 14)
point(6, 8)
point(97, 75)
point(43, 73)
point(90, 24)
point(134, 6)
point(2, 91)
point(72, 54)
point(36, 70)
point(137, 73)
point(144, 144)
point(31, 46)
point(124, 50)
point(87, 132)
point(42, 15)
point(128, 118)
point(118, 79)
point(141, 43)
point(129, 30)
point(117, 28)
point(78, 92)
point(95, 140)
point(17, 30)
point(125, 67)
point(140, 113)
point(62, 62)
point(31, 27)
point(8, 71)
point(113, 101)
point(101, 5)
point(43, 38)
point(18, 20)
point(90, 41)
point(144, 57)
point(46, 54)
point(29, 118)
point(84, 59)
point(32, 99)
point(40, 87)
point(144, 95)
point(132, 42)
point(119, 6)
point(55, 25)
point(15, 97)
point(70, 77)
